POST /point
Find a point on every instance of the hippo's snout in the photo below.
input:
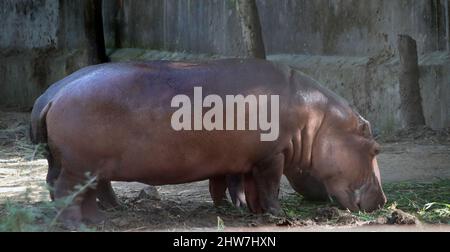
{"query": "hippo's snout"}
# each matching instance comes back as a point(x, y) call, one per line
point(371, 199)
point(372, 205)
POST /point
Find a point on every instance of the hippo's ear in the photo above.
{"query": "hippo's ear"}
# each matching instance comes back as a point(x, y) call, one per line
point(364, 127)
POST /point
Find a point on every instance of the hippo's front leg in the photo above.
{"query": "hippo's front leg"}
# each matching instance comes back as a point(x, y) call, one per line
point(106, 196)
point(217, 190)
point(267, 176)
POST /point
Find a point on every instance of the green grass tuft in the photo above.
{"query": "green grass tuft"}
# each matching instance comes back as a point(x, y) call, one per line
point(428, 201)
point(17, 219)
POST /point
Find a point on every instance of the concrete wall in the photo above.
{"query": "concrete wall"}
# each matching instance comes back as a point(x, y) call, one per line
point(347, 27)
point(176, 25)
point(319, 27)
point(435, 88)
point(41, 41)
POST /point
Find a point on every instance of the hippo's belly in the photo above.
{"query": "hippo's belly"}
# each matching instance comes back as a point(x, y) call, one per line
point(179, 157)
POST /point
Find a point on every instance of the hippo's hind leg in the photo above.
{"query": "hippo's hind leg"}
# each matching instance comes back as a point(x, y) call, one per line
point(69, 212)
point(267, 176)
point(106, 196)
point(77, 194)
point(217, 190)
point(54, 169)
point(105, 193)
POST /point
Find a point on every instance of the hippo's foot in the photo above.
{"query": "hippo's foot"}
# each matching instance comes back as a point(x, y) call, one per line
point(83, 207)
point(90, 212)
point(107, 199)
point(217, 190)
point(70, 217)
point(69, 214)
point(266, 179)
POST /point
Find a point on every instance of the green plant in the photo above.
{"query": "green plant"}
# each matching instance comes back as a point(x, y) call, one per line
point(17, 219)
point(43, 216)
point(220, 224)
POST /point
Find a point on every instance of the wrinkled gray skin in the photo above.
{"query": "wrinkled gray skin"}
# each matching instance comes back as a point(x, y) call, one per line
point(38, 135)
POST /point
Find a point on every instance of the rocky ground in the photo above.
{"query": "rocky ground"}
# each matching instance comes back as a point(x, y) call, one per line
point(411, 159)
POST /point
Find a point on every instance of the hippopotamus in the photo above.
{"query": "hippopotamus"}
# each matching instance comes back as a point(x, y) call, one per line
point(114, 123)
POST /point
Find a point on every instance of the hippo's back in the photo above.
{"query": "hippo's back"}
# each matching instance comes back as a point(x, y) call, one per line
point(37, 133)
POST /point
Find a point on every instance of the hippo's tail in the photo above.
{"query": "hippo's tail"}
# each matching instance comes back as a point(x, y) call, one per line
point(38, 135)
point(38, 125)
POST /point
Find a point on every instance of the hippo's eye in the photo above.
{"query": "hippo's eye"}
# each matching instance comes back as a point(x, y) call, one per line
point(364, 129)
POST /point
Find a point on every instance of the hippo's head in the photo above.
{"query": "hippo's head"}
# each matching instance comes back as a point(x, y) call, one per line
point(343, 163)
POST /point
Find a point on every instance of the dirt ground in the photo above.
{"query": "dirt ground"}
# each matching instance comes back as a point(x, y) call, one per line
point(417, 155)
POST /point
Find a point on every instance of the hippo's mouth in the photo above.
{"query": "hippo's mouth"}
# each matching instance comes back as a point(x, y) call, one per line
point(350, 202)
point(358, 200)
